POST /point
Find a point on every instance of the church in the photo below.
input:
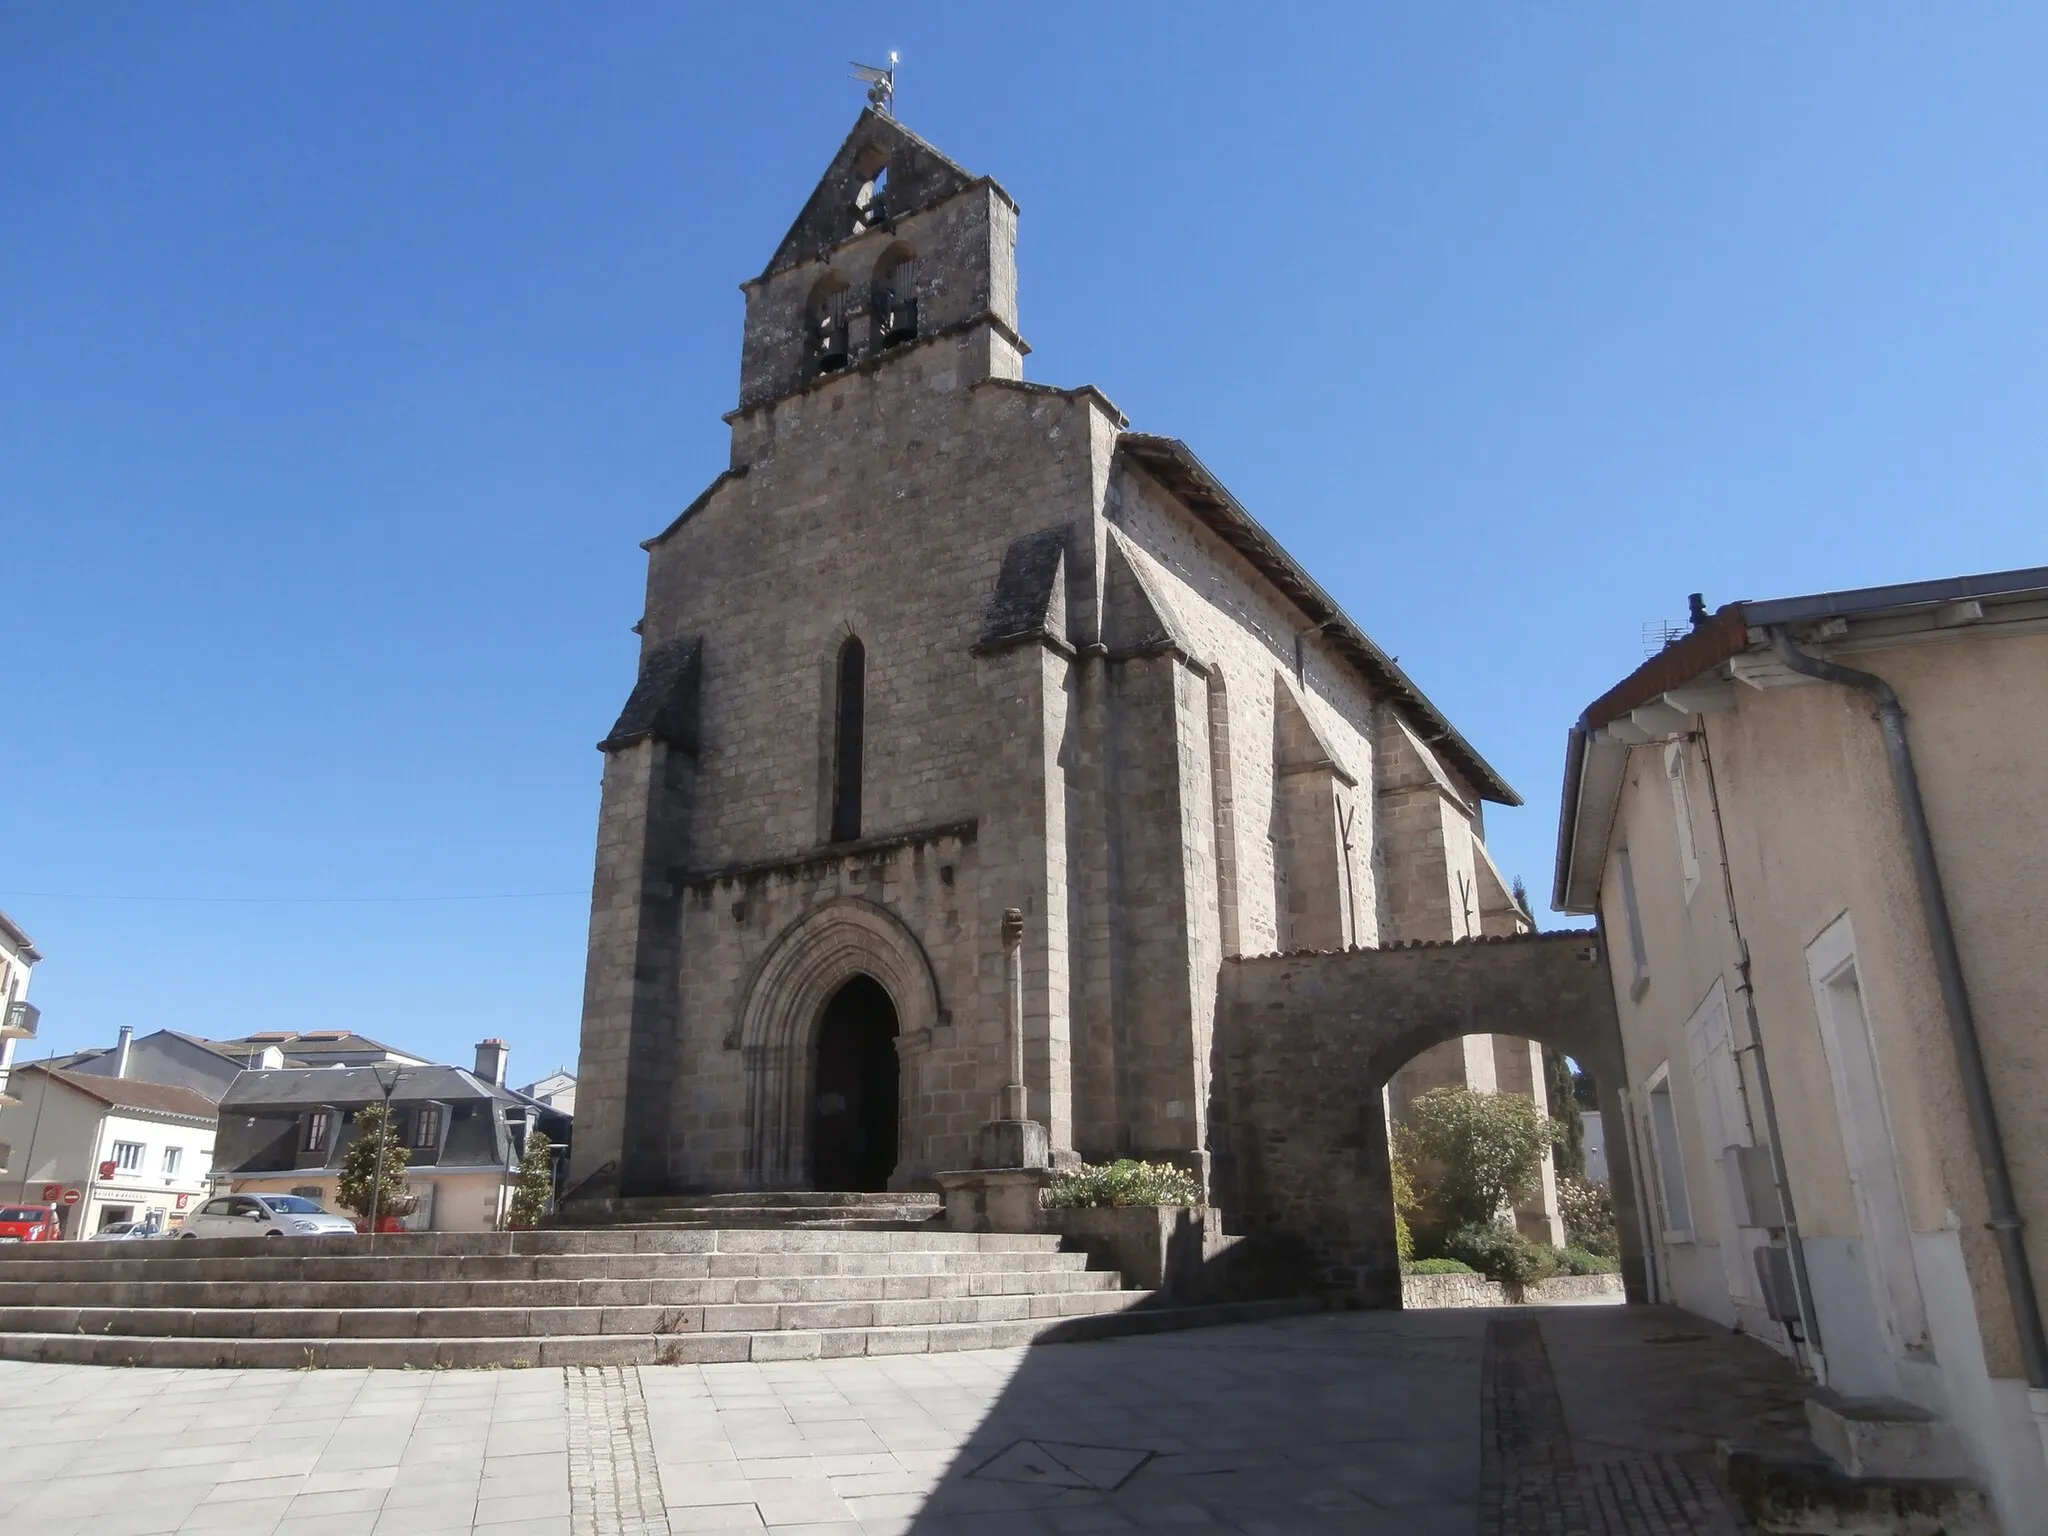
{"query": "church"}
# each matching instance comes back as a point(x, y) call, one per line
point(975, 737)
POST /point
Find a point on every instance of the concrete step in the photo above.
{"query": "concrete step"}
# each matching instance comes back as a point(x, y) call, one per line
point(290, 1322)
point(853, 1202)
point(711, 1239)
point(1136, 1315)
point(182, 1263)
point(1883, 1437)
point(344, 1294)
point(1803, 1496)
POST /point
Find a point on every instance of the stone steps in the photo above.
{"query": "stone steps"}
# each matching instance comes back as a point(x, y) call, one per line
point(624, 1348)
point(429, 1294)
point(759, 1209)
point(629, 1266)
point(290, 1321)
point(616, 1294)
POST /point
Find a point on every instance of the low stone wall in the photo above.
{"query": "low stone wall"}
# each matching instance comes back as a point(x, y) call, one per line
point(1478, 1291)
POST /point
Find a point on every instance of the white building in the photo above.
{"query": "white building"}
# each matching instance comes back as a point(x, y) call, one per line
point(18, 956)
point(557, 1091)
point(127, 1148)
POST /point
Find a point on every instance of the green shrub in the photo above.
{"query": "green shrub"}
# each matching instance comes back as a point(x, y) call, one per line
point(363, 1190)
point(1579, 1261)
point(1404, 1208)
point(1438, 1267)
point(1123, 1182)
point(535, 1186)
point(1477, 1153)
point(1501, 1253)
point(1588, 1212)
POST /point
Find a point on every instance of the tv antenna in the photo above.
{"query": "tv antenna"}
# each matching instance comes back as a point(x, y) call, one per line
point(881, 83)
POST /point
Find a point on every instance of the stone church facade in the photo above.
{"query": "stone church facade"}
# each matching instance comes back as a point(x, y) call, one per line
point(942, 644)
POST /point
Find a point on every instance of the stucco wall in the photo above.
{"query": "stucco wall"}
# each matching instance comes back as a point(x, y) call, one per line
point(1814, 835)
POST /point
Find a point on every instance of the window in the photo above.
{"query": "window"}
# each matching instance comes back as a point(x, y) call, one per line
point(895, 297)
point(846, 766)
point(870, 202)
point(128, 1155)
point(1676, 1208)
point(426, 1126)
point(312, 1192)
point(318, 1124)
point(173, 1156)
point(826, 323)
point(1681, 813)
point(214, 1208)
point(1632, 919)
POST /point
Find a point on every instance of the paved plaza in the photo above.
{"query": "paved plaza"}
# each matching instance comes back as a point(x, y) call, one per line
point(1446, 1423)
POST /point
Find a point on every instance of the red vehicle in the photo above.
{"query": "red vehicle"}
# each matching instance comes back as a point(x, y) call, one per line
point(29, 1224)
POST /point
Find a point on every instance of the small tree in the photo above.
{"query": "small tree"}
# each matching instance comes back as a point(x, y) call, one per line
point(362, 1191)
point(1560, 1086)
point(535, 1186)
point(1474, 1153)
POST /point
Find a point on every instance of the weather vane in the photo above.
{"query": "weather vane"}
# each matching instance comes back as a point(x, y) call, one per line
point(881, 83)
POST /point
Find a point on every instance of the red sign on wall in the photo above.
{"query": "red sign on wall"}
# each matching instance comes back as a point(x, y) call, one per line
point(109, 1169)
point(51, 1192)
point(181, 1201)
point(72, 1197)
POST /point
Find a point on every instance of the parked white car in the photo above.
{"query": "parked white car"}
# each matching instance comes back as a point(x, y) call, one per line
point(127, 1231)
point(265, 1216)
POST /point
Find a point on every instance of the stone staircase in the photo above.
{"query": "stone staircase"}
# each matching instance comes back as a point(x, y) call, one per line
point(684, 1292)
point(764, 1208)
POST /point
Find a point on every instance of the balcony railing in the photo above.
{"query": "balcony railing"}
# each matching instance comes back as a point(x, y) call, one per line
point(20, 1021)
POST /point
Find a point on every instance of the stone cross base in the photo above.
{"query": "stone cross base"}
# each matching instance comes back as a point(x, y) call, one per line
point(995, 1199)
point(1013, 1144)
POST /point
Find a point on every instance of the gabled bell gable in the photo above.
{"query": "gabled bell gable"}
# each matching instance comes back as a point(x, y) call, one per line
point(918, 176)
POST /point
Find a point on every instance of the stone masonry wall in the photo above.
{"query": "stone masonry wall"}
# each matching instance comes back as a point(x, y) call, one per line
point(1304, 1045)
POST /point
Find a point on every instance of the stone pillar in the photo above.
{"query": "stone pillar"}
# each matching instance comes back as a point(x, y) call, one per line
point(1012, 1139)
point(1013, 1162)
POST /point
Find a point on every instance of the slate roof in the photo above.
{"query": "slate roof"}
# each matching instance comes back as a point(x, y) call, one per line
point(306, 1086)
point(129, 1093)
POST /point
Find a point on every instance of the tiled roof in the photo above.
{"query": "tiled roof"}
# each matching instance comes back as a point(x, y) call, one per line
point(131, 1093)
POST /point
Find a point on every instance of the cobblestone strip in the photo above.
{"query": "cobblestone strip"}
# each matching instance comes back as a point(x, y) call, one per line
point(1528, 1483)
point(614, 1486)
point(1662, 1495)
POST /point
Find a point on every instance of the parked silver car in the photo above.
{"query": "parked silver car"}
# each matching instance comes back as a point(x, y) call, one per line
point(128, 1231)
point(264, 1216)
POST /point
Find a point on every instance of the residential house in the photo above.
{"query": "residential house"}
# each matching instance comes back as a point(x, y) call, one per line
point(557, 1091)
point(18, 1016)
point(1815, 833)
point(125, 1148)
point(288, 1129)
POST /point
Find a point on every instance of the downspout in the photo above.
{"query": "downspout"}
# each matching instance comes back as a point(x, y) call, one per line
point(1781, 1176)
point(1962, 1023)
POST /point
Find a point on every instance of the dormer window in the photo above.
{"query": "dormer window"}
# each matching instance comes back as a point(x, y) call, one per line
point(318, 1124)
point(826, 324)
point(870, 203)
point(426, 1126)
point(895, 297)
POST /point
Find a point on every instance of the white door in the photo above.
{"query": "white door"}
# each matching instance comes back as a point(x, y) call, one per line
point(1724, 1123)
point(1868, 1142)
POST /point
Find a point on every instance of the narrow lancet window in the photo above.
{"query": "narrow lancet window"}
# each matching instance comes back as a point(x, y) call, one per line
point(846, 764)
point(894, 300)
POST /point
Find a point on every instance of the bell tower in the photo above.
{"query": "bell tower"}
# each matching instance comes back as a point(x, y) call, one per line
point(896, 247)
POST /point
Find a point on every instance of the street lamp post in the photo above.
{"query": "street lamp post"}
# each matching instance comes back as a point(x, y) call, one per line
point(377, 1171)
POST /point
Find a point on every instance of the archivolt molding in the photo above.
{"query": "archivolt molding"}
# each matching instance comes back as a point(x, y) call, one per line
point(812, 959)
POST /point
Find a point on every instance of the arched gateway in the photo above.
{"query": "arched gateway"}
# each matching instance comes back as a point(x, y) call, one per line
point(832, 962)
point(1306, 1042)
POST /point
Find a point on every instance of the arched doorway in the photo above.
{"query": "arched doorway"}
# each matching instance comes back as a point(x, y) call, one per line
point(854, 1090)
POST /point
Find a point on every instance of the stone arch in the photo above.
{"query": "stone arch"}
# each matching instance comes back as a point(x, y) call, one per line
point(785, 998)
point(1305, 1043)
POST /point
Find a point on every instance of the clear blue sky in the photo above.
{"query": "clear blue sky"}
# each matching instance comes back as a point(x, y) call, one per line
point(347, 352)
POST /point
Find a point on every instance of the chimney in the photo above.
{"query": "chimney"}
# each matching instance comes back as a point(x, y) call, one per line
point(490, 1061)
point(121, 1050)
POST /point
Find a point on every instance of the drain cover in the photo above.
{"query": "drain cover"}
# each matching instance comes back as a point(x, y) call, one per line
point(1049, 1464)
